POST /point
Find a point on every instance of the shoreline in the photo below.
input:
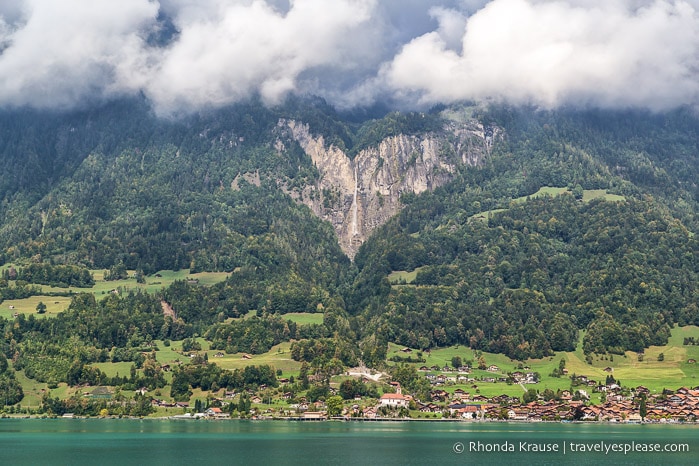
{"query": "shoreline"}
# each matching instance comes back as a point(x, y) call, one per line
point(349, 419)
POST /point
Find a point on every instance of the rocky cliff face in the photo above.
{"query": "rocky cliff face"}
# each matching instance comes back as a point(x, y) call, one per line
point(357, 195)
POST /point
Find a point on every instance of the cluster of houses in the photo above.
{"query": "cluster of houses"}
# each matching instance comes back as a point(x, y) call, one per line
point(680, 406)
point(463, 376)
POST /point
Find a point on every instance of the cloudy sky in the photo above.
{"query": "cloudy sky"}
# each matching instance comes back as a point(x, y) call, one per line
point(185, 55)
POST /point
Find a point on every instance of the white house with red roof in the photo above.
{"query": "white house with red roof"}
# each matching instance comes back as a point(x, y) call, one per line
point(396, 400)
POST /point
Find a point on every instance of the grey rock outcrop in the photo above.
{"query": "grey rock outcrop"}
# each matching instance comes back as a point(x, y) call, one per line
point(358, 195)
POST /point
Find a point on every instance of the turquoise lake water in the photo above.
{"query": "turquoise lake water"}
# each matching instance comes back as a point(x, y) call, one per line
point(169, 442)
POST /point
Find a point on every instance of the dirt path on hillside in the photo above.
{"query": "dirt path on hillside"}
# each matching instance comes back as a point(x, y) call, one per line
point(167, 310)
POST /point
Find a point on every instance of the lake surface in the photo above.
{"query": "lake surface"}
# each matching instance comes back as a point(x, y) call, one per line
point(170, 442)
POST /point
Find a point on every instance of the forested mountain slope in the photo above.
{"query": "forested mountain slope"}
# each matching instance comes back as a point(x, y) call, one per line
point(281, 196)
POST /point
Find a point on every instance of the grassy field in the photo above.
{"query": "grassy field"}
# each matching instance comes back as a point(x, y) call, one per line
point(56, 304)
point(153, 282)
point(400, 277)
point(279, 357)
point(304, 318)
point(673, 372)
point(588, 195)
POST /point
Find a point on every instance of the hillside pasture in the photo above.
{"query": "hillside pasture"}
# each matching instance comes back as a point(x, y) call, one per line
point(26, 306)
point(278, 356)
point(56, 304)
point(304, 318)
point(588, 195)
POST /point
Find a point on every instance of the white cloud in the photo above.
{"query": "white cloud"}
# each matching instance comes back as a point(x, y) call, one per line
point(547, 52)
point(252, 47)
point(552, 53)
point(63, 52)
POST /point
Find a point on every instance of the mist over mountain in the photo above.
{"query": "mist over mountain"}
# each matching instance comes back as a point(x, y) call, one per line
point(186, 56)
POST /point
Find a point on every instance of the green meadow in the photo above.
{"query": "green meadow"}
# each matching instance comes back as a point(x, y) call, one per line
point(672, 371)
point(588, 195)
point(55, 304)
point(304, 318)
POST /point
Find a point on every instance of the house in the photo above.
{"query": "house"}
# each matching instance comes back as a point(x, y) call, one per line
point(246, 356)
point(493, 368)
point(396, 400)
point(313, 416)
point(608, 369)
point(219, 355)
point(216, 413)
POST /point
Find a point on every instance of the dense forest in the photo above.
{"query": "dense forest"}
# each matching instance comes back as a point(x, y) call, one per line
point(499, 268)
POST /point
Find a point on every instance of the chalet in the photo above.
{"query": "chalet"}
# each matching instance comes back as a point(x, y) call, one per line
point(313, 416)
point(469, 411)
point(406, 350)
point(219, 354)
point(166, 367)
point(216, 413)
point(429, 408)
point(256, 399)
point(246, 356)
point(493, 368)
point(608, 369)
point(519, 414)
point(691, 361)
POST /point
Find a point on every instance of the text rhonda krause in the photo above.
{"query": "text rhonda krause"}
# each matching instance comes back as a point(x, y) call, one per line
point(577, 447)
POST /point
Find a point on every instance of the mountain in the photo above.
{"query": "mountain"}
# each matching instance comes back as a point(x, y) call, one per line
point(521, 227)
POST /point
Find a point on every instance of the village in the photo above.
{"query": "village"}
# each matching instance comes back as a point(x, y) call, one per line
point(619, 405)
